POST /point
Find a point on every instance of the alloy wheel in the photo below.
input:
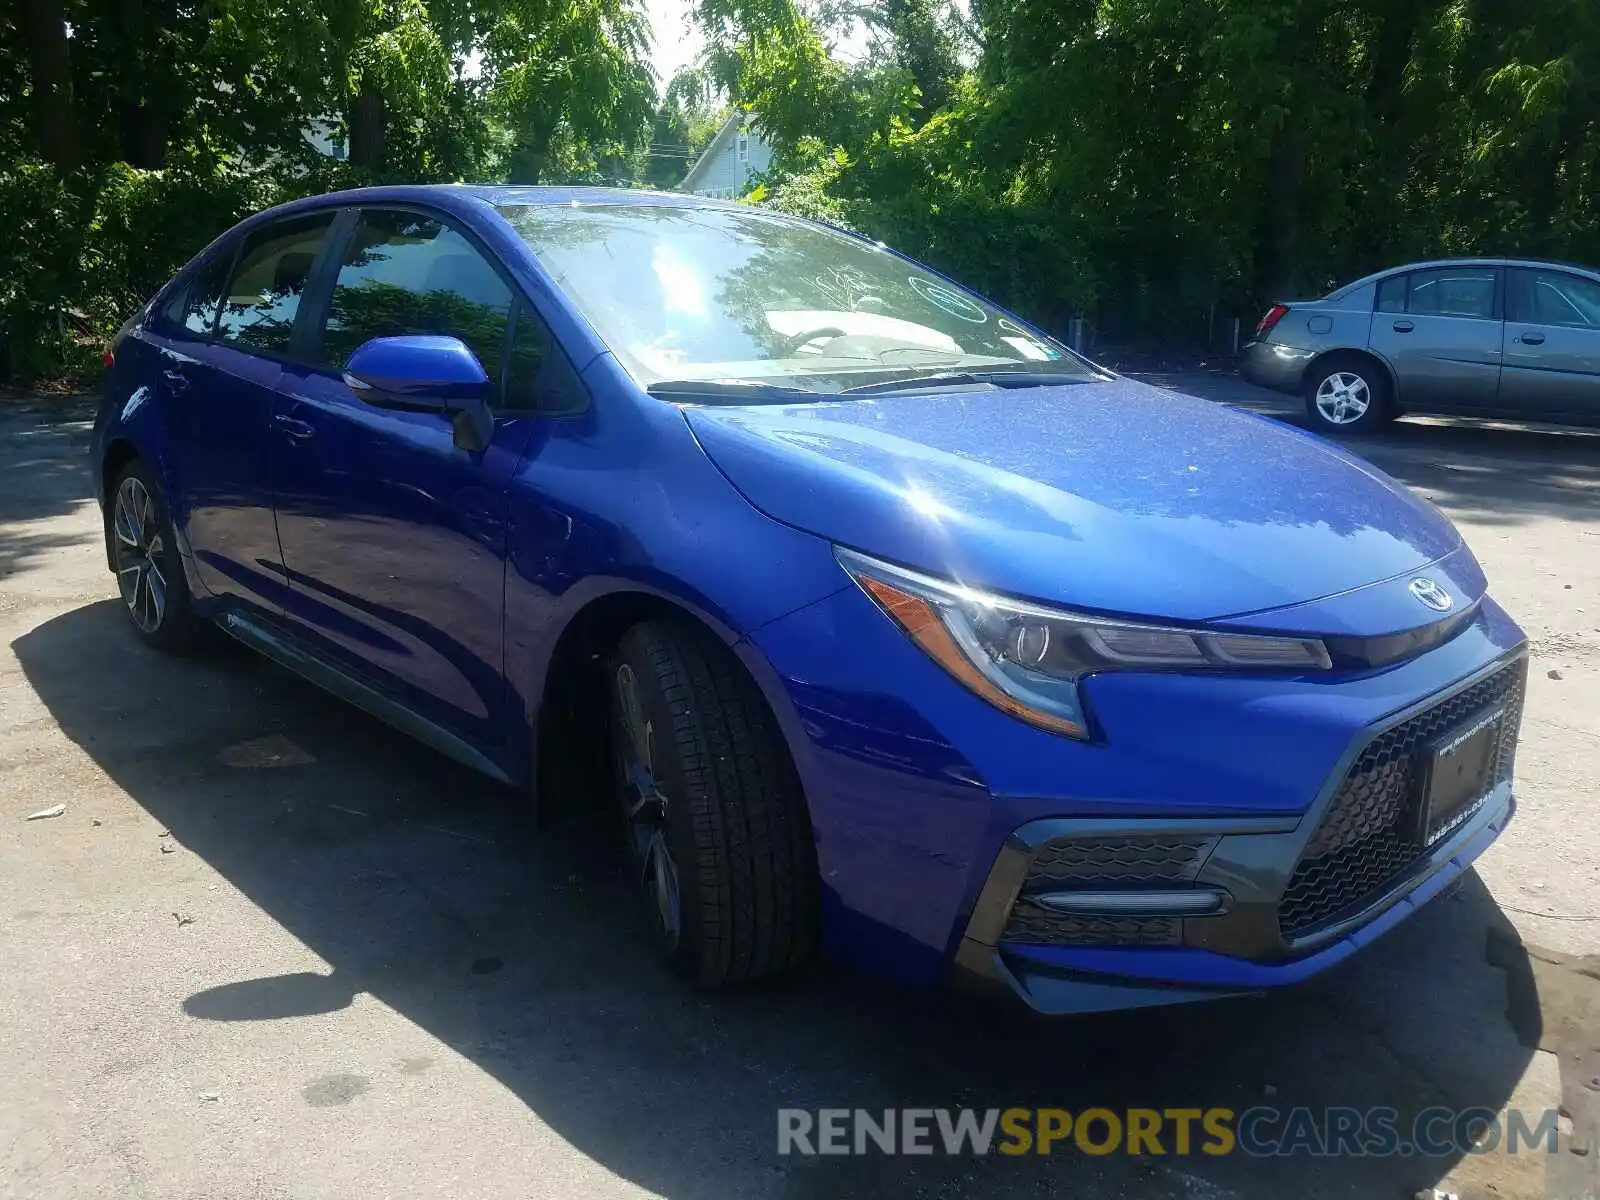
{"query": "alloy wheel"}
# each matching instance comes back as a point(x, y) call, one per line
point(1343, 398)
point(644, 809)
point(138, 550)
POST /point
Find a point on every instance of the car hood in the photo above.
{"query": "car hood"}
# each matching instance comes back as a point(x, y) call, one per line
point(1111, 496)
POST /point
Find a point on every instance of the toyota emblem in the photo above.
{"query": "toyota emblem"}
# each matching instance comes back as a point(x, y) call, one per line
point(1431, 594)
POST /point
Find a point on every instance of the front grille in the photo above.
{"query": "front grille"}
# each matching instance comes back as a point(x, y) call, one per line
point(1116, 860)
point(1034, 923)
point(1367, 839)
point(1122, 861)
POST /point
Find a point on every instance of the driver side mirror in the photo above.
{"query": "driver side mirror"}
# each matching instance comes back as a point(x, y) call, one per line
point(426, 372)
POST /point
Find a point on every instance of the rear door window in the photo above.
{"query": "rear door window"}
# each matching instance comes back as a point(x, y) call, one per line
point(406, 272)
point(1452, 292)
point(264, 293)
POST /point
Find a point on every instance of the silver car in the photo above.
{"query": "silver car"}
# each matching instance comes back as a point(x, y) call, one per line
point(1491, 337)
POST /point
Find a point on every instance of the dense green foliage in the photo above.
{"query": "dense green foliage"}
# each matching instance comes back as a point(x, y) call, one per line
point(134, 131)
point(1163, 164)
point(1160, 165)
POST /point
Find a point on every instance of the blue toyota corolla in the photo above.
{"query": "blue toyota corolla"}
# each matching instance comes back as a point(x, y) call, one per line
point(883, 622)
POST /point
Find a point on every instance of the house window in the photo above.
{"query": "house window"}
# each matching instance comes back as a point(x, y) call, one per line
point(744, 147)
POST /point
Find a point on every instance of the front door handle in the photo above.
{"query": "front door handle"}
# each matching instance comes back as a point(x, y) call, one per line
point(1403, 326)
point(299, 430)
point(176, 380)
point(1532, 339)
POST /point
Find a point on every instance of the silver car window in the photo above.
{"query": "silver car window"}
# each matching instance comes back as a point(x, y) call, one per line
point(1452, 292)
point(1392, 294)
point(1555, 298)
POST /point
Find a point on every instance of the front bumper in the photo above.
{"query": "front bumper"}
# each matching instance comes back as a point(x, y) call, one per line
point(915, 785)
point(1295, 896)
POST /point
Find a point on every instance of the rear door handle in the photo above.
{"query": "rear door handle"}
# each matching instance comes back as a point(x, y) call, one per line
point(299, 430)
point(1403, 326)
point(176, 380)
point(1532, 339)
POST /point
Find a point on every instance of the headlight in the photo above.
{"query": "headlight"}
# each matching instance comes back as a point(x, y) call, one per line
point(1027, 659)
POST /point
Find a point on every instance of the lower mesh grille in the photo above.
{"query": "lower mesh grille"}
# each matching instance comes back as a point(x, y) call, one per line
point(1035, 924)
point(1157, 861)
point(1116, 860)
point(1368, 839)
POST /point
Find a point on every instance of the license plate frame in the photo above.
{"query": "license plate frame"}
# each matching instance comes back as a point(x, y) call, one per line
point(1456, 773)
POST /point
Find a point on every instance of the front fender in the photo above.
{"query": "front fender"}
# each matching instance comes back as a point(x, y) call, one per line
point(623, 502)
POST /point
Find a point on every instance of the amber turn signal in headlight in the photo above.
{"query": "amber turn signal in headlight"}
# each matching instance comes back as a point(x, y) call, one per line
point(1026, 659)
point(918, 618)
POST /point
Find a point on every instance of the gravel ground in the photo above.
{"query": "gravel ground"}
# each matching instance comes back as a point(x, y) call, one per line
point(273, 949)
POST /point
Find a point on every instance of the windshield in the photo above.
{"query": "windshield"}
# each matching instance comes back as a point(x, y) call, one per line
point(720, 294)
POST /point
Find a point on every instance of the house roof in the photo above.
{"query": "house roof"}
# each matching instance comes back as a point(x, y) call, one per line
point(734, 121)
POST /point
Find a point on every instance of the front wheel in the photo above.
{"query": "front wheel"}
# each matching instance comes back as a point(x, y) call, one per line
point(144, 556)
point(1348, 395)
point(715, 826)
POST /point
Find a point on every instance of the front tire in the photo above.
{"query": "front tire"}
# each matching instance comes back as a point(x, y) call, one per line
point(1348, 393)
point(716, 829)
point(144, 555)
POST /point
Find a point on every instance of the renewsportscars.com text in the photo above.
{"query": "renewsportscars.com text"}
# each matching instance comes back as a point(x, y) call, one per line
point(1260, 1132)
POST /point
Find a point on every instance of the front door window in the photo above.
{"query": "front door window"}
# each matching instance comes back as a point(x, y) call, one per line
point(408, 273)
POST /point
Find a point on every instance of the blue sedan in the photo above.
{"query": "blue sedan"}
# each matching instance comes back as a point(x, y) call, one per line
point(883, 624)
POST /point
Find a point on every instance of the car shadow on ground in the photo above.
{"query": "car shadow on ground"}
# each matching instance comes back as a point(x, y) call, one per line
point(424, 886)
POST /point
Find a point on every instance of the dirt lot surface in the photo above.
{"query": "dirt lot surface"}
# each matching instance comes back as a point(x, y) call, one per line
point(273, 949)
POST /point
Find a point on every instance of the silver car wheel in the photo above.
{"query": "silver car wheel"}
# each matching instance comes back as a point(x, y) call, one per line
point(138, 550)
point(644, 810)
point(1343, 398)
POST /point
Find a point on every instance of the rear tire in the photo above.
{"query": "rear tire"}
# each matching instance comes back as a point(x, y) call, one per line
point(1348, 393)
point(144, 556)
point(715, 824)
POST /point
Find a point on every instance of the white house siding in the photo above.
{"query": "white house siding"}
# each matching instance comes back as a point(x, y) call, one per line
point(722, 171)
point(324, 136)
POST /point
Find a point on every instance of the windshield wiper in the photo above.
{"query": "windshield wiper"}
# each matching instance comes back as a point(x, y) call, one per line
point(724, 389)
point(754, 391)
point(1003, 377)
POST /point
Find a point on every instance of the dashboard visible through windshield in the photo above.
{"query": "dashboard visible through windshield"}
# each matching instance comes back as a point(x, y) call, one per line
point(747, 297)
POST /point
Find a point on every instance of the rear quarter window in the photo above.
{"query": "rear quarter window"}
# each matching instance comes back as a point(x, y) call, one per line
point(1392, 294)
point(264, 293)
point(192, 307)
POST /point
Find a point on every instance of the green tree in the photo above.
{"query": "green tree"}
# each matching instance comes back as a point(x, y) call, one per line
point(685, 121)
point(570, 82)
point(139, 129)
point(1157, 163)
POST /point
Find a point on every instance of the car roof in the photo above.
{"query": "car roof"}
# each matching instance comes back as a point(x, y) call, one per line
point(461, 199)
point(1491, 262)
point(518, 194)
point(1426, 264)
point(449, 194)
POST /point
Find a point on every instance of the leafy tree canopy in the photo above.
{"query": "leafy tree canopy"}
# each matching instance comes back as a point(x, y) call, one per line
point(1159, 165)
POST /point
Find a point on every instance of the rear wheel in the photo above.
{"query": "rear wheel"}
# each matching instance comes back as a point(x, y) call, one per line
point(714, 823)
point(145, 558)
point(1348, 394)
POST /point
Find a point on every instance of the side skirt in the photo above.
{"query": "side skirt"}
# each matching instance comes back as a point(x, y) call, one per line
point(286, 654)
